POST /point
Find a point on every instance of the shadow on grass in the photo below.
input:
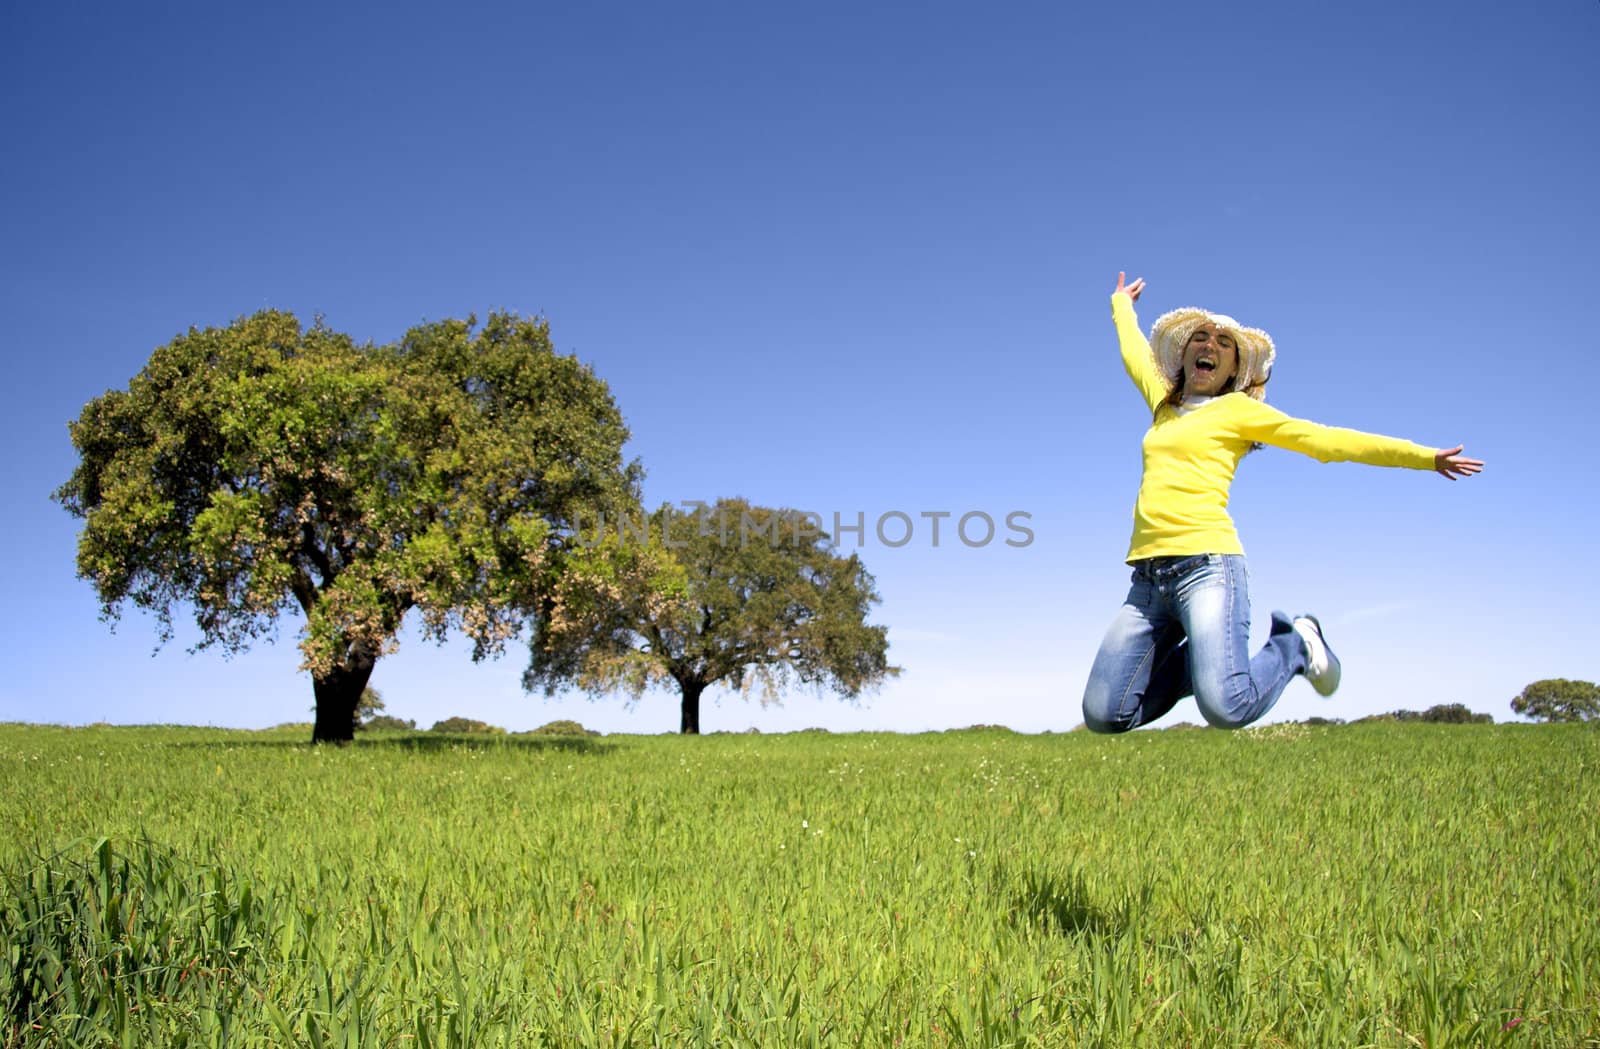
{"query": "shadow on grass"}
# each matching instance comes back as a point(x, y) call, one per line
point(1062, 904)
point(425, 742)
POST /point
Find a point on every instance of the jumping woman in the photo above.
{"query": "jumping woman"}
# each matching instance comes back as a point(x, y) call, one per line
point(1185, 627)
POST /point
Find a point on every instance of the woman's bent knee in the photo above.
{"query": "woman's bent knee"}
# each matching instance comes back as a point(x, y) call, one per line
point(1235, 710)
point(1106, 728)
point(1225, 719)
point(1098, 719)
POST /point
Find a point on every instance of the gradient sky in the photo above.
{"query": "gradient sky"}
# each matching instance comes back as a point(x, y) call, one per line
point(856, 258)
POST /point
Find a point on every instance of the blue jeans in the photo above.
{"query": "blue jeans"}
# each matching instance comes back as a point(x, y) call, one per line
point(1185, 630)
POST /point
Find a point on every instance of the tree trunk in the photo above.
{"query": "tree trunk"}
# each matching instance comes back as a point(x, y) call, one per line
point(337, 694)
point(691, 707)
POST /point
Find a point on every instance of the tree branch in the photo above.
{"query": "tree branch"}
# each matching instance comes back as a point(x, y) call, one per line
point(315, 554)
point(304, 590)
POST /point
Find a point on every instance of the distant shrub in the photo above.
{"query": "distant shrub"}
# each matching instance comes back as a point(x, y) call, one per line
point(562, 728)
point(815, 729)
point(467, 725)
point(1456, 714)
point(1323, 721)
point(1444, 713)
point(984, 728)
point(386, 723)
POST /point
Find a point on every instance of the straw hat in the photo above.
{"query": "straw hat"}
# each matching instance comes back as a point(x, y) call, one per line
point(1171, 334)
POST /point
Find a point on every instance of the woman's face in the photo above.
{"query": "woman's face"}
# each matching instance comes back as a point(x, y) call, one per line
point(1210, 361)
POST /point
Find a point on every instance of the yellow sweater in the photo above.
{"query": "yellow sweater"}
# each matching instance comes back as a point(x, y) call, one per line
point(1189, 459)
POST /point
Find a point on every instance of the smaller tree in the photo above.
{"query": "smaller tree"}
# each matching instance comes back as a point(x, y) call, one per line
point(1557, 699)
point(369, 706)
point(741, 596)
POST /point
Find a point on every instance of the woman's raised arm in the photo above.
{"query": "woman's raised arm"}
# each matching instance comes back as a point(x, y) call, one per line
point(1136, 355)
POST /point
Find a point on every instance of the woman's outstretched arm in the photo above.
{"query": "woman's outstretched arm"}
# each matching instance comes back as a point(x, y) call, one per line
point(1266, 424)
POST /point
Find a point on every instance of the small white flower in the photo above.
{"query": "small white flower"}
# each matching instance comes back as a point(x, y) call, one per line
point(804, 824)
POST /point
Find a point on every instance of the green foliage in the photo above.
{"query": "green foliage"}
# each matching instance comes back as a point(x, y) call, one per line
point(468, 726)
point(1445, 713)
point(1385, 885)
point(115, 945)
point(744, 596)
point(386, 723)
point(369, 706)
point(263, 467)
point(1558, 699)
point(563, 727)
point(368, 714)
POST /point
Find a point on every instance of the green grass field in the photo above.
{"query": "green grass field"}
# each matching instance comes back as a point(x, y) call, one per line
point(1380, 884)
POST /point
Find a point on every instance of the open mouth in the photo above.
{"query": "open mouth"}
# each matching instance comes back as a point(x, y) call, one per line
point(1205, 364)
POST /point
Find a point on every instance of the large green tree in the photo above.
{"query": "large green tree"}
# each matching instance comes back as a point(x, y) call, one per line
point(1557, 699)
point(263, 467)
point(734, 595)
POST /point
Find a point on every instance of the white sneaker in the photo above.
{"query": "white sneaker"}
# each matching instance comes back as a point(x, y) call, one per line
point(1322, 668)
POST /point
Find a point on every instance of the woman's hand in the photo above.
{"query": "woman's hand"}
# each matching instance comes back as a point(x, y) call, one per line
point(1452, 464)
point(1133, 290)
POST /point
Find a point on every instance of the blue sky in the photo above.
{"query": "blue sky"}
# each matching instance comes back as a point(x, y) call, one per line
point(856, 258)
